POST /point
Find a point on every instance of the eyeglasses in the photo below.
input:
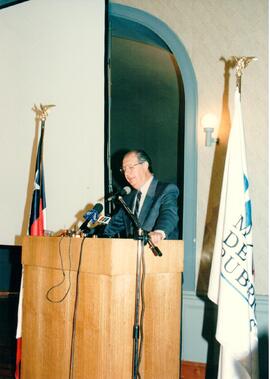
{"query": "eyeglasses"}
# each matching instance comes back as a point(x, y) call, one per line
point(130, 168)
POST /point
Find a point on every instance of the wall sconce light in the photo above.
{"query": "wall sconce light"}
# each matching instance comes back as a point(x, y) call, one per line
point(209, 122)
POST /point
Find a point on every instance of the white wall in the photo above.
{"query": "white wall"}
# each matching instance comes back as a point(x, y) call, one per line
point(210, 30)
point(52, 52)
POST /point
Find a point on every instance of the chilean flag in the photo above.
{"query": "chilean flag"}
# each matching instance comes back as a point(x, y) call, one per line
point(38, 209)
point(37, 224)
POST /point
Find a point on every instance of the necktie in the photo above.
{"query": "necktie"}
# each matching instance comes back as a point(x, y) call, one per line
point(137, 204)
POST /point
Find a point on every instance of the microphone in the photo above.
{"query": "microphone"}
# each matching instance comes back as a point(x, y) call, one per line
point(91, 216)
point(124, 191)
point(155, 250)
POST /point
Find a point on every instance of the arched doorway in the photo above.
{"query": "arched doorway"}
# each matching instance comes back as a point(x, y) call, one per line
point(155, 136)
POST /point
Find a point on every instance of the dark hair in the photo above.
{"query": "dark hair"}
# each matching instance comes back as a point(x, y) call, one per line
point(142, 157)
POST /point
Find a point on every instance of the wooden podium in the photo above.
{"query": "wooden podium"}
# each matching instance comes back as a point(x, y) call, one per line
point(79, 306)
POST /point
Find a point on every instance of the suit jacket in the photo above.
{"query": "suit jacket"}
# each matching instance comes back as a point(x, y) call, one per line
point(159, 212)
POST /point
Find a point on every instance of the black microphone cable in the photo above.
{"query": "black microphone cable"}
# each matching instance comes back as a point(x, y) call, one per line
point(48, 297)
point(142, 314)
point(73, 335)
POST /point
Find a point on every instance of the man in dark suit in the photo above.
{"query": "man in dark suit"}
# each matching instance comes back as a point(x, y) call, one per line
point(153, 202)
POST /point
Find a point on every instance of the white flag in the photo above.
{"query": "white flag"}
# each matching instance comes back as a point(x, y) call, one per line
point(231, 284)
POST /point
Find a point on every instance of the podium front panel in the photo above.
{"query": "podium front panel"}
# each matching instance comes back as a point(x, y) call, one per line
point(79, 306)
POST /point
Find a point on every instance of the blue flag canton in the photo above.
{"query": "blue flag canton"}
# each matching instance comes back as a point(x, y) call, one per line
point(247, 202)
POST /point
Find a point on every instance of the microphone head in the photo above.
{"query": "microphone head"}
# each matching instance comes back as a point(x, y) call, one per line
point(98, 207)
point(96, 210)
point(125, 191)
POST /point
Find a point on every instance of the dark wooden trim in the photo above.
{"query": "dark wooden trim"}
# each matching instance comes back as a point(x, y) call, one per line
point(7, 294)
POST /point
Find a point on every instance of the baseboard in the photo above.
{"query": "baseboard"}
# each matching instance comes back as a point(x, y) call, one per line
point(193, 370)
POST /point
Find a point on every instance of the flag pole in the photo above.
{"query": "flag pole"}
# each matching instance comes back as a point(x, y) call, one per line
point(37, 220)
point(241, 64)
point(42, 113)
point(38, 228)
point(231, 276)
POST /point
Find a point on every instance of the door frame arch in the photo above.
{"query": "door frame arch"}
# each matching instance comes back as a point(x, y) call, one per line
point(190, 142)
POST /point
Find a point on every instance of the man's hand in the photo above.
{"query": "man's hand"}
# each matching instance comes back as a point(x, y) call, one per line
point(156, 236)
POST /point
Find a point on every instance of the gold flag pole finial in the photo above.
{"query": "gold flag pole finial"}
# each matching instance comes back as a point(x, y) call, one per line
point(241, 64)
point(42, 112)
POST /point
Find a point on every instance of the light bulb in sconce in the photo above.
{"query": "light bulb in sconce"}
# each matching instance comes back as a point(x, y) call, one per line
point(209, 122)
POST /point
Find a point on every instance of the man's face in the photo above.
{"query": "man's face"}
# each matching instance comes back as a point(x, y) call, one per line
point(136, 173)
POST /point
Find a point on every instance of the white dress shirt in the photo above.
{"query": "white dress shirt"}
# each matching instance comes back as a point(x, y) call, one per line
point(144, 188)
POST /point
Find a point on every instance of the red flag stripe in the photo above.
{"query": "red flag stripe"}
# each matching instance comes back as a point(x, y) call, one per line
point(37, 228)
point(18, 358)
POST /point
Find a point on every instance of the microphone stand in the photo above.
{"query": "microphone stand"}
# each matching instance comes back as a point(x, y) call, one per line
point(143, 234)
point(142, 238)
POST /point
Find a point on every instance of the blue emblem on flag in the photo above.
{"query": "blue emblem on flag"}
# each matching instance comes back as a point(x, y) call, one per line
point(247, 202)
